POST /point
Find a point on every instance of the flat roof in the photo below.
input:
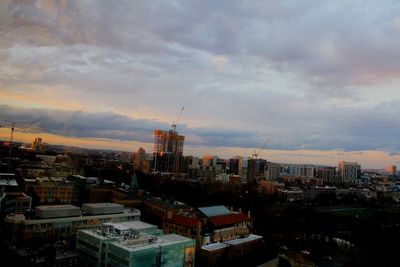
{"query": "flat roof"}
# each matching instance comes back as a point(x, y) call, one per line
point(59, 207)
point(137, 225)
point(120, 227)
point(11, 182)
point(30, 180)
point(233, 242)
point(242, 240)
point(290, 191)
point(146, 241)
point(139, 241)
point(101, 205)
point(58, 179)
point(166, 204)
point(172, 238)
point(14, 218)
point(95, 232)
point(214, 246)
point(134, 225)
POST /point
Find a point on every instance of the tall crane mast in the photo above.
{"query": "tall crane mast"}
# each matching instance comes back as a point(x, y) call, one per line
point(256, 153)
point(10, 143)
point(11, 138)
point(175, 123)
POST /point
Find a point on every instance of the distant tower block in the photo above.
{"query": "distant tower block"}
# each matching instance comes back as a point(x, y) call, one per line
point(168, 151)
point(349, 171)
point(38, 145)
point(391, 170)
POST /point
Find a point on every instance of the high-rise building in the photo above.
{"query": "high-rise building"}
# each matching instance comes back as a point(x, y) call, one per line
point(299, 170)
point(193, 162)
point(255, 170)
point(209, 160)
point(38, 144)
point(391, 170)
point(243, 168)
point(309, 171)
point(349, 171)
point(326, 173)
point(251, 171)
point(272, 171)
point(190, 164)
point(168, 151)
point(233, 165)
point(142, 160)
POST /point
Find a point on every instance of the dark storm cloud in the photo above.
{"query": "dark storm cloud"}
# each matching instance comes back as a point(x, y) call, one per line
point(81, 124)
point(112, 126)
point(365, 135)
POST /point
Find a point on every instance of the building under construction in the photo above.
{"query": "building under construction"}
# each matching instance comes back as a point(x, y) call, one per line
point(168, 151)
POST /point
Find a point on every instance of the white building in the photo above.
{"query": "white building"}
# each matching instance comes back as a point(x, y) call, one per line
point(300, 170)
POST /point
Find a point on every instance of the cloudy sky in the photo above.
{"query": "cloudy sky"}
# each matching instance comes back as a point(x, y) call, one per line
point(318, 77)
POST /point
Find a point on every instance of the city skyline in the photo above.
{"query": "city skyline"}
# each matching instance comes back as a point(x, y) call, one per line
point(319, 79)
point(306, 157)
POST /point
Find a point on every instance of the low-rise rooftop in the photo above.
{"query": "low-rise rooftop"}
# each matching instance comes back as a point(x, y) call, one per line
point(62, 212)
point(214, 246)
point(183, 220)
point(8, 182)
point(229, 219)
point(57, 211)
point(167, 204)
point(232, 242)
point(102, 208)
point(215, 211)
point(242, 240)
point(132, 235)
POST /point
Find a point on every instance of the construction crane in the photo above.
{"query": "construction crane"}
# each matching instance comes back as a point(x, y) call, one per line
point(170, 143)
point(175, 123)
point(12, 130)
point(256, 153)
point(10, 143)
